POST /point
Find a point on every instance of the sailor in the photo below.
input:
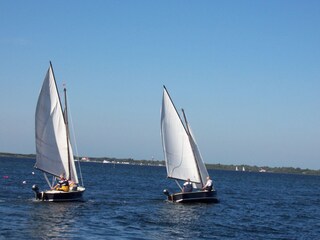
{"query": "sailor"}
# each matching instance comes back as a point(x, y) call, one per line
point(208, 186)
point(63, 184)
point(187, 186)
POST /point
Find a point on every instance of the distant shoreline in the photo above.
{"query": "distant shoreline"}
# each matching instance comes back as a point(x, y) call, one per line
point(240, 168)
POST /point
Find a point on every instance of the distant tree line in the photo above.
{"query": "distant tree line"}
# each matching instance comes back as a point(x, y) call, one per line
point(289, 170)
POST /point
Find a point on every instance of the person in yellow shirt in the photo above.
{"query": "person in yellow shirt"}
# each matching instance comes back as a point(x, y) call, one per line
point(62, 185)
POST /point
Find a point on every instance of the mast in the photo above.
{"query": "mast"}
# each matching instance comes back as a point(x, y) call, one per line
point(67, 131)
point(189, 135)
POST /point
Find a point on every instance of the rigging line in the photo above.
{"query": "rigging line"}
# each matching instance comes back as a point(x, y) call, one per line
point(75, 143)
point(178, 184)
point(53, 180)
point(46, 177)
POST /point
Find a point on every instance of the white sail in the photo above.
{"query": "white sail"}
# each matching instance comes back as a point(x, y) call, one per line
point(180, 161)
point(201, 166)
point(51, 132)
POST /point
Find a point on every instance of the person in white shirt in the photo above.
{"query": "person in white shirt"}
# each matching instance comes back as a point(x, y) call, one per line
point(187, 186)
point(208, 186)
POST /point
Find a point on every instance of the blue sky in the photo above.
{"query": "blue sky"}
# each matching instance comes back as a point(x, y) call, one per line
point(247, 74)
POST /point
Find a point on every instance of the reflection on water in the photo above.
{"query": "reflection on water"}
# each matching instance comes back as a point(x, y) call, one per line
point(185, 214)
point(52, 220)
point(185, 220)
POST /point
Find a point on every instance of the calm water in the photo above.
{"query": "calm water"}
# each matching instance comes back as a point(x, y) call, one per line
point(126, 202)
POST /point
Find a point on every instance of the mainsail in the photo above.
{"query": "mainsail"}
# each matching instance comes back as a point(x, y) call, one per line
point(51, 133)
point(178, 149)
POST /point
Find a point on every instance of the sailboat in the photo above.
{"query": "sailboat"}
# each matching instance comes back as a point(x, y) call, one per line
point(182, 156)
point(54, 151)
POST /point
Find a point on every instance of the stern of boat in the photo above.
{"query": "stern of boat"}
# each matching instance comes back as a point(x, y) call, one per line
point(37, 193)
point(169, 196)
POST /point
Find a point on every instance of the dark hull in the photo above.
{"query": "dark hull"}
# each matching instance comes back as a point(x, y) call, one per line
point(60, 196)
point(194, 197)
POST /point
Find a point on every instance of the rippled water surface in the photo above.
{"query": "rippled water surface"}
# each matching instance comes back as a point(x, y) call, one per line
point(126, 202)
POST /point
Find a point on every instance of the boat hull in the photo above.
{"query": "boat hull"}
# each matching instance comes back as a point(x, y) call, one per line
point(194, 197)
point(60, 196)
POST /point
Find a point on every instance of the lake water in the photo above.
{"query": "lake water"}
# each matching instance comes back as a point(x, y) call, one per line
point(126, 202)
